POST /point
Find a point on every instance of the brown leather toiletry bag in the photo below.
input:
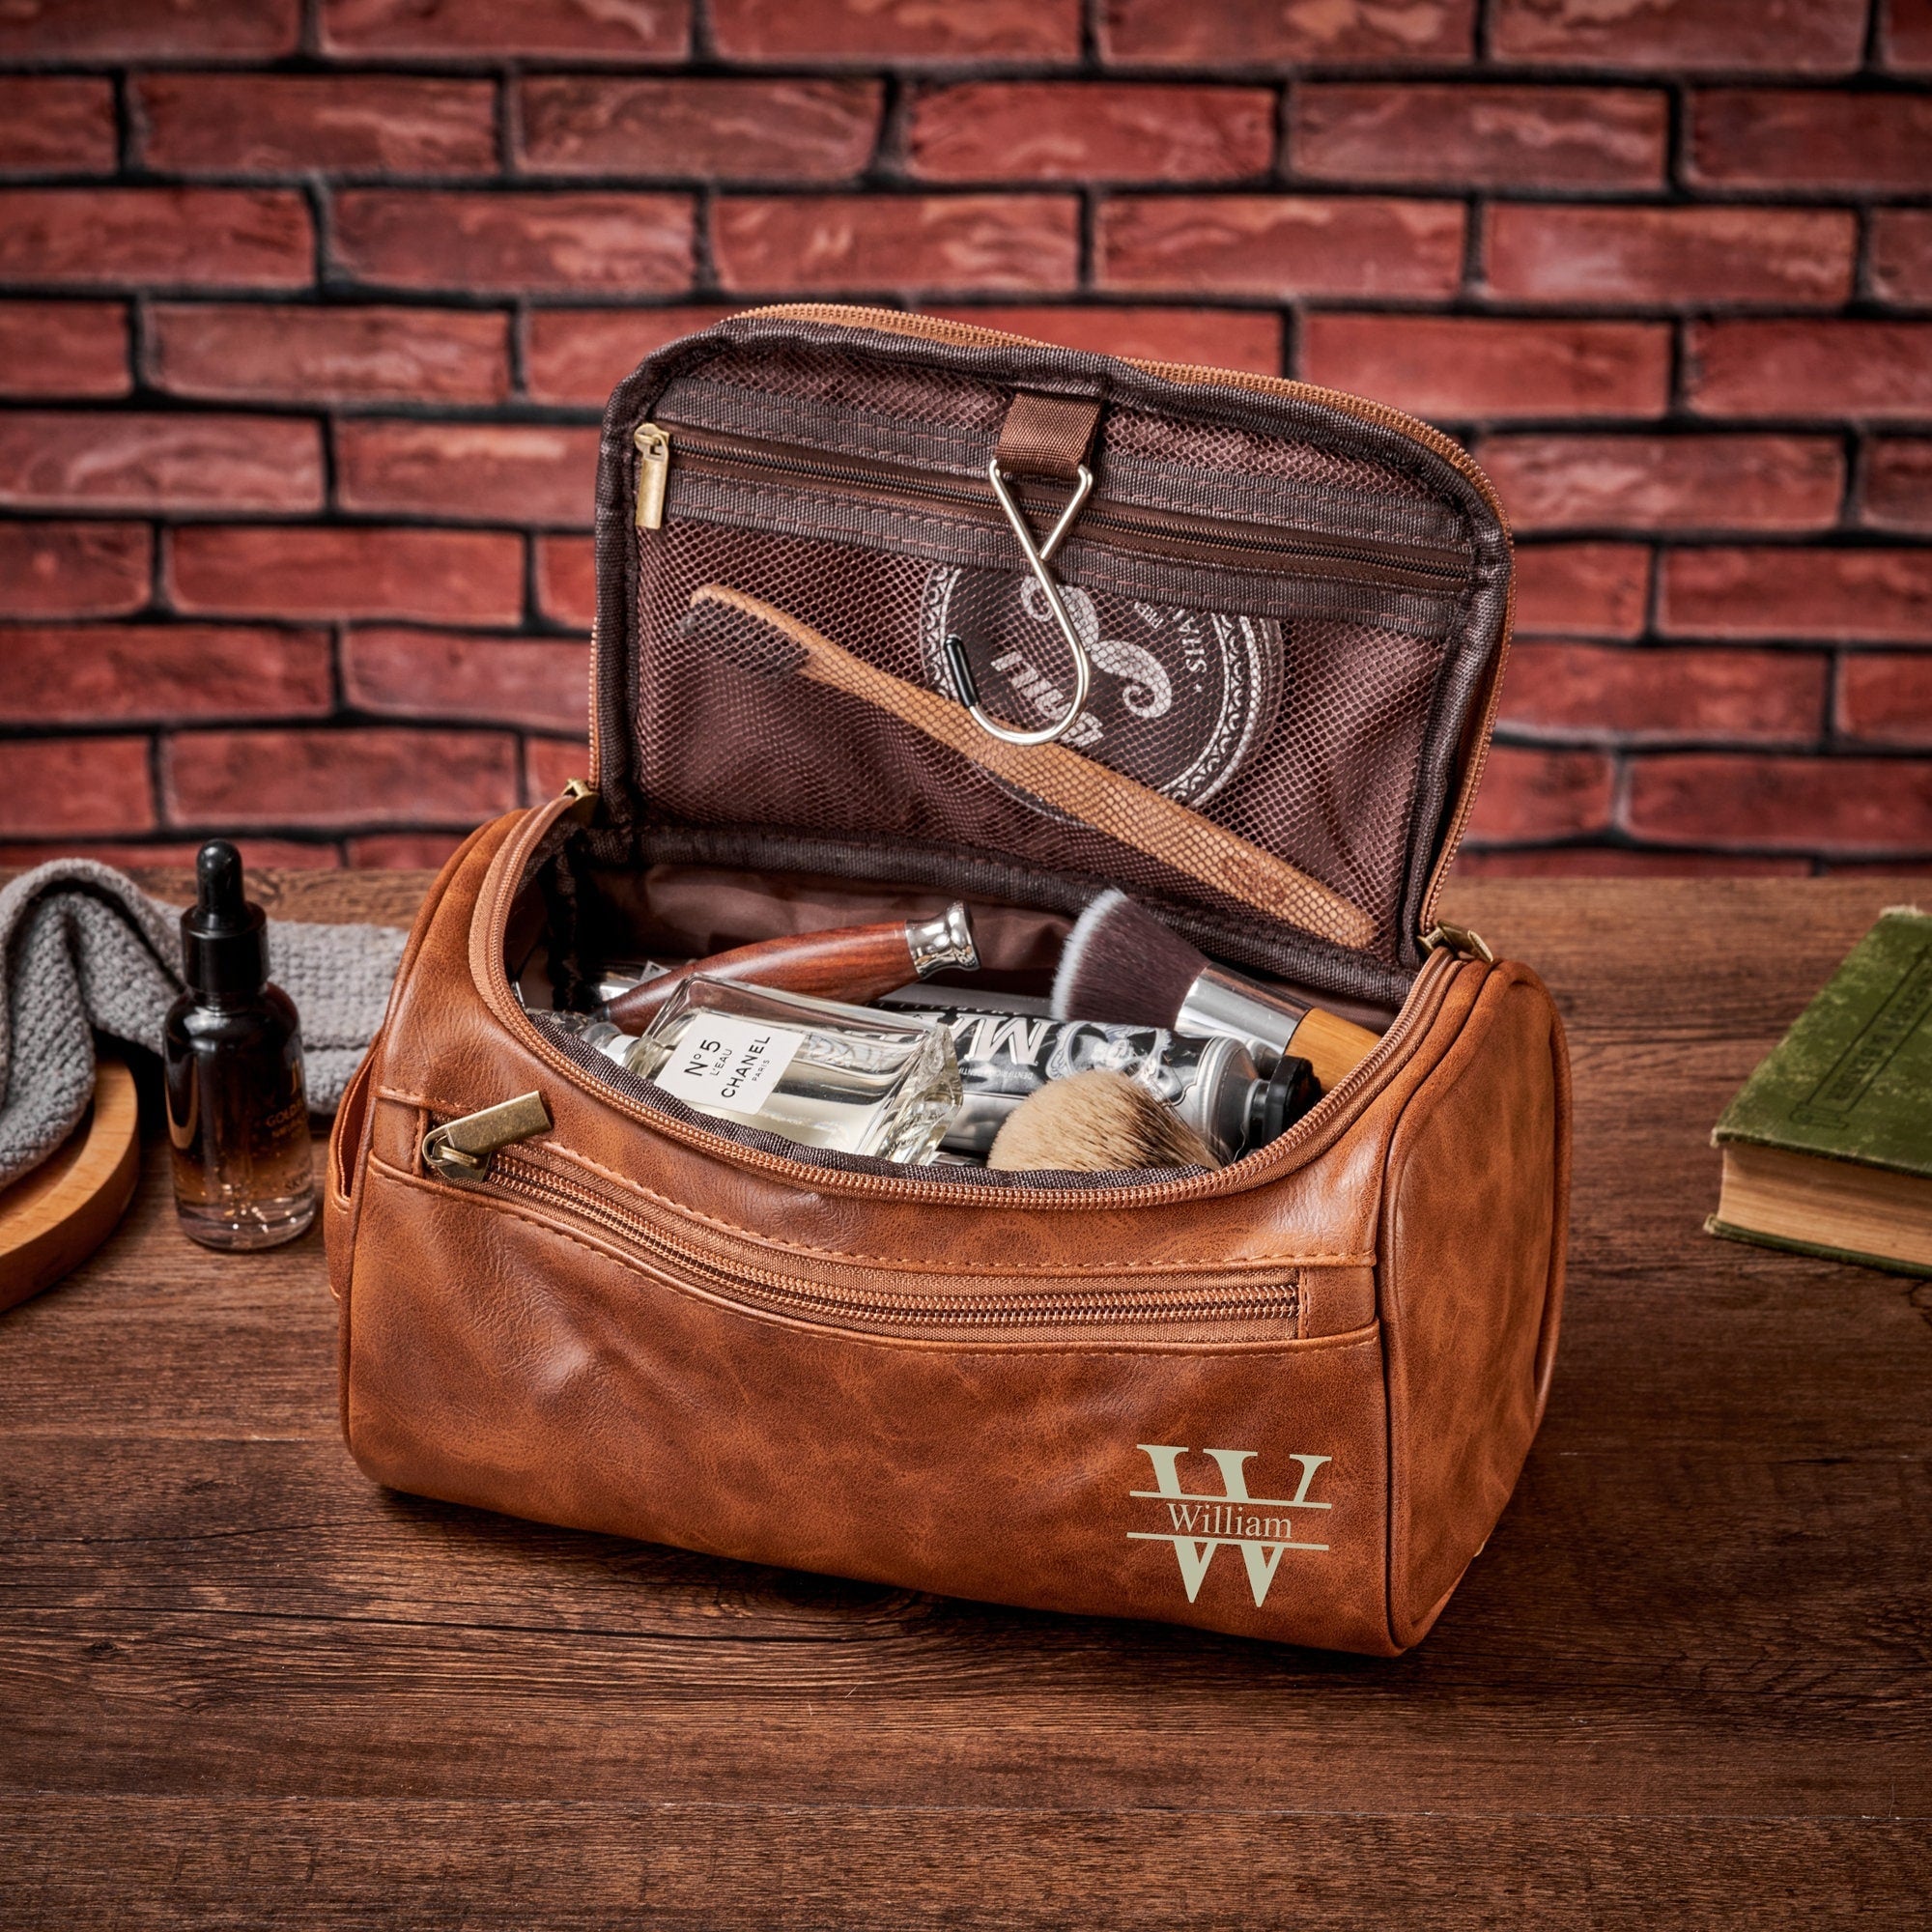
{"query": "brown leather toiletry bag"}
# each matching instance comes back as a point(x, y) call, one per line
point(1286, 1399)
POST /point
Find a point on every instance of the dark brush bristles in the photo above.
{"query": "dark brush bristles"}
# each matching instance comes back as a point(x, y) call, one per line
point(1096, 1123)
point(1120, 963)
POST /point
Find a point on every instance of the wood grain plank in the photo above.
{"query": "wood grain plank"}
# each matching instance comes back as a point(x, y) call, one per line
point(247, 1706)
point(159, 1336)
point(292, 1528)
point(235, 1867)
point(369, 898)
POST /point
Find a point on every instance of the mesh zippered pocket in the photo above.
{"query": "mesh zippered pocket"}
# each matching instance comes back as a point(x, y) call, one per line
point(1264, 726)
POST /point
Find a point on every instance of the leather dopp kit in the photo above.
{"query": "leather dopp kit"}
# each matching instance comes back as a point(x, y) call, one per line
point(901, 619)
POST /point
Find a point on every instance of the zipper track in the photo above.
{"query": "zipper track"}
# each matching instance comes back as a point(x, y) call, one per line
point(934, 329)
point(1415, 566)
point(540, 1183)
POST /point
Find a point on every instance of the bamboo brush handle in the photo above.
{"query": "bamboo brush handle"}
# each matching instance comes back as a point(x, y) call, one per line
point(855, 963)
point(1332, 1046)
point(1120, 806)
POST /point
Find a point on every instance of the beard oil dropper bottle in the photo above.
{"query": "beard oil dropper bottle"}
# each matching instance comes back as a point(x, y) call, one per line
point(237, 1114)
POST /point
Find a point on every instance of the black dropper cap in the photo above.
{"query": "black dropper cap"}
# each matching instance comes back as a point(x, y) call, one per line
point(1276, 1103)
point(224, 938)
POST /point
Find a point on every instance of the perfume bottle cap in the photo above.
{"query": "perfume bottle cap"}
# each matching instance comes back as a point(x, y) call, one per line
point(224, 937)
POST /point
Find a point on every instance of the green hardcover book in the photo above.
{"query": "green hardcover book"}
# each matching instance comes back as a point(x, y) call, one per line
point(1828, 1150)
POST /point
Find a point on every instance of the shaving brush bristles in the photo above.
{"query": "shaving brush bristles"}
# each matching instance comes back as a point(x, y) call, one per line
point(1096, 1123)
point(1120, 963)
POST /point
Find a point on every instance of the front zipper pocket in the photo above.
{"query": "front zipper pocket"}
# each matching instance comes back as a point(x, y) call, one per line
point(549, 1181)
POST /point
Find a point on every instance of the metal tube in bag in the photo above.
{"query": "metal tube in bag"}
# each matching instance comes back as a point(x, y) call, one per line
point(1211, 1083)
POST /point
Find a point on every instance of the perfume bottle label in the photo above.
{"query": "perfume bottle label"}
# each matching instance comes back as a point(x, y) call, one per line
point(721, 1060)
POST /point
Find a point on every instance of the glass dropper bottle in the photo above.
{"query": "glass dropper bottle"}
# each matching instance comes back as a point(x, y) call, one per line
point(238, 1111)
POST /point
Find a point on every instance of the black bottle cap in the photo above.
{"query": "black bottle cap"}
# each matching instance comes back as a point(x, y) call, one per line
point(224, 938)
point(1276, 1103)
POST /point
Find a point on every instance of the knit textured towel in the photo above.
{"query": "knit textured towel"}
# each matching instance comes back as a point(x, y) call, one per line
point(83, 947)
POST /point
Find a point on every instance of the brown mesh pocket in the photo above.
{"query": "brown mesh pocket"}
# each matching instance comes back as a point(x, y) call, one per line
point(1244, 767)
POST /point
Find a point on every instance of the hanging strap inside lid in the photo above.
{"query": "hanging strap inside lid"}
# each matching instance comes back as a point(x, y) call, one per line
point(1047, 436)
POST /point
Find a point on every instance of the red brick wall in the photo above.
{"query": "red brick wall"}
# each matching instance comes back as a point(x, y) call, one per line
point(306, 313)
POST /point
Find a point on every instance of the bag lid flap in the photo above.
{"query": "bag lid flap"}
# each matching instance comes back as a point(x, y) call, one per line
point(1293, 606)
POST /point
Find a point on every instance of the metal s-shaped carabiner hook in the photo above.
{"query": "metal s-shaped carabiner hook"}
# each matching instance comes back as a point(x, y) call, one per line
point(1036, 556)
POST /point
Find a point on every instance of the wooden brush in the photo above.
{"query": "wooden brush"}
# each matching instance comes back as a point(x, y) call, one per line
point(1097, 1122)
point(1120, 963)
point(779, 645)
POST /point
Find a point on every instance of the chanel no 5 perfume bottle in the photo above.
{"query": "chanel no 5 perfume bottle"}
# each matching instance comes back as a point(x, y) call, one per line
point(820, 1073)
point(238, 1113)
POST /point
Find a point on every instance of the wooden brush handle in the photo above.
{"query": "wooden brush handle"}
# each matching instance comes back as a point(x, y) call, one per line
point(854, 963)
point(1120, 806)
point(1332, 1046)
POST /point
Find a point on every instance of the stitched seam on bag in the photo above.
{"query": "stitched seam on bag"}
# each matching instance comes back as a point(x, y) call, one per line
point(1221, 1266)
point(1499, 977)
point(840, 427)
point(1414, 612)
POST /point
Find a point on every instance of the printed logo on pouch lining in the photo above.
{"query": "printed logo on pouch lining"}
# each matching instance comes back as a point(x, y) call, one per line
point(1260, 1528)
point(1179, 696)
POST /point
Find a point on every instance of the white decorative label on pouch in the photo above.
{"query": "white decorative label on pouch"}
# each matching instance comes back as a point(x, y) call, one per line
point(724, 1061)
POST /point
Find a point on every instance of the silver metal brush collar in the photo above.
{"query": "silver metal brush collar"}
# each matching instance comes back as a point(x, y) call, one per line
point(942, 941)
point(1220, 1003)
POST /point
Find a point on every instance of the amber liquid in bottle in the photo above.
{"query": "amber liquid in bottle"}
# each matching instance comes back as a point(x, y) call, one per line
point(238, 1111)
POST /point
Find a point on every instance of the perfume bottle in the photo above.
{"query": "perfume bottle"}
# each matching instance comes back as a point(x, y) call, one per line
point(823, 1074)
point(237, 1114)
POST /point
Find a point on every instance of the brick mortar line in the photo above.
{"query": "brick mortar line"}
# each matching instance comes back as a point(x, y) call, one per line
point(882, 179)
point(944, 70)
point(348, 297)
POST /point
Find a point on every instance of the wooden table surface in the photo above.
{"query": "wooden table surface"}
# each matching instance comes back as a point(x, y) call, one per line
point(1685, 1684)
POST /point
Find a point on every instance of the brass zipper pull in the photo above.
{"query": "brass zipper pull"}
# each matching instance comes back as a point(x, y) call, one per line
point(460, 1150)
point(653, 475)
point(1459, 939)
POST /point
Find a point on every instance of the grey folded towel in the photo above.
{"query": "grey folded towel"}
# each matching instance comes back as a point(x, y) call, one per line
point(82, 946)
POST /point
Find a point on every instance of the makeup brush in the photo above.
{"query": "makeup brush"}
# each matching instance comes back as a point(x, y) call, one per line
point(1120, 963)
point(764, 639)
point(853, 963)
point(1099, 1122)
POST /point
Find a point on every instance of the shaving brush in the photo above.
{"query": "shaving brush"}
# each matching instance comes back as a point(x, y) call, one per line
point(1099, 1122)
point(853, 963)
point(1120, 963)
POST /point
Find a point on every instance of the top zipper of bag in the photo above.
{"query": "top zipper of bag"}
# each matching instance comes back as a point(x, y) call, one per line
point(1120, 525)
point(937, 328)
point(480, 1140)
